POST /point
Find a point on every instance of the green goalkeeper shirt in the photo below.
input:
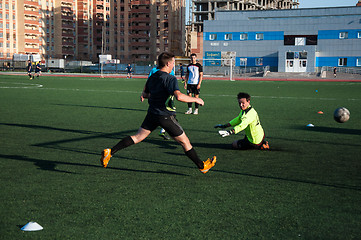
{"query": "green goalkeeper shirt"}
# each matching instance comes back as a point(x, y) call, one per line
point(248, 120)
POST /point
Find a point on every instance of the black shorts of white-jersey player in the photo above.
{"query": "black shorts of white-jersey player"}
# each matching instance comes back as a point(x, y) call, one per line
point(193, 81)
point(161, 89)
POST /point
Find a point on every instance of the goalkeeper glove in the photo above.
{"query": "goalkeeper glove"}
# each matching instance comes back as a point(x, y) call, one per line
point(225, 133)
point(220, 126)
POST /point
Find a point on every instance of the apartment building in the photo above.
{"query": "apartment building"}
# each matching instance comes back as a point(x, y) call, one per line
point(129, 30)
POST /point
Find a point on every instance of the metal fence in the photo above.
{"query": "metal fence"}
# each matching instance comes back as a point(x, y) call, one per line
point(347, 70)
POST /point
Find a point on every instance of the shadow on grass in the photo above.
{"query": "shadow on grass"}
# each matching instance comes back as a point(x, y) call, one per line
point(330, 130)
point(48, 165)
point(114, 108)
point(357, 188)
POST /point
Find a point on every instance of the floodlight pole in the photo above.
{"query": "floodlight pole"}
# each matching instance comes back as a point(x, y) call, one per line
point(101, 63)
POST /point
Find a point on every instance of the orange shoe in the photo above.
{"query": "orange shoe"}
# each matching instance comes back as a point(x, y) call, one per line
point(208, 164)
point(105, 157)
point(265, 146)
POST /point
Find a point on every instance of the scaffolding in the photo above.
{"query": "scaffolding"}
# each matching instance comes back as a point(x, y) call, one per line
point(205, 9)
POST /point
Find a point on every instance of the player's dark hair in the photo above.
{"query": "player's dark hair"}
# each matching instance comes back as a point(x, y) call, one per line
point(193, 54)
point(164, 58)
point(244, 95)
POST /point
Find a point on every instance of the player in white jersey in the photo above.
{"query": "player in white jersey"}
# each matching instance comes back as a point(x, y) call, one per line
point(194, 77)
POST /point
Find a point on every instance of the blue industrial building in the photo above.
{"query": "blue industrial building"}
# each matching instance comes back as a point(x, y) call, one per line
point(295, 40)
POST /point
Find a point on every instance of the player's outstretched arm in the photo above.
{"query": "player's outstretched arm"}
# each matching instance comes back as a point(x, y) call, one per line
point(187, 99)
point(222, 125)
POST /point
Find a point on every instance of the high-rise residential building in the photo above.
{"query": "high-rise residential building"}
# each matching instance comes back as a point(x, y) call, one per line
point(202, 10)
point(129, 30)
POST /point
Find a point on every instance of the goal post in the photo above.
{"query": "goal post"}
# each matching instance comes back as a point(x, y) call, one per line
point(222, 67)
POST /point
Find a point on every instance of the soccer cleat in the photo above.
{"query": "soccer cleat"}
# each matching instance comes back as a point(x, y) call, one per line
point(163, 135)
point(195, 111)
point(189, 111)
point(208, 164)
point(265, 146)
point(106, 155)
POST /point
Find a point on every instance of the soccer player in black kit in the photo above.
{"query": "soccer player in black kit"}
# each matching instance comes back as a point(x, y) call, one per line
point(160, 89)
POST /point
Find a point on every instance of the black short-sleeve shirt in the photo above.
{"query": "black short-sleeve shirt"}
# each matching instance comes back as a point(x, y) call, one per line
point(161, 87)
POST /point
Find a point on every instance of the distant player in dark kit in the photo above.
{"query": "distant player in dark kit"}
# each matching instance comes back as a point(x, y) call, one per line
point(29, 69)
point(192, 83)
point(247, 120)
point(334, 71)
point(129, 71)
point(181, 69)
point(37, 69)
point(160, 89)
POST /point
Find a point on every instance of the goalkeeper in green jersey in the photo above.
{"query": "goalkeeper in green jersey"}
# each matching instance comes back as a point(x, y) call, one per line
point(247, 120)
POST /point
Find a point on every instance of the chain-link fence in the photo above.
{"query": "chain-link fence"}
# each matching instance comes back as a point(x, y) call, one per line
point(212, 67)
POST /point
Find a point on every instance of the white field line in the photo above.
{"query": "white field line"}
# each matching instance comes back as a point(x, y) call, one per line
point(40, 87)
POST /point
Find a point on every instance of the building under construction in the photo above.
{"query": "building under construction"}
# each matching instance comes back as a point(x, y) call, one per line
point(201, 10)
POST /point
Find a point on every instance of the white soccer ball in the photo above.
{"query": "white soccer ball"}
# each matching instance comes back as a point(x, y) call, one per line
point(341, 115)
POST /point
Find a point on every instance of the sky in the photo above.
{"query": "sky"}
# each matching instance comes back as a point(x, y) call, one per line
point(326, 3)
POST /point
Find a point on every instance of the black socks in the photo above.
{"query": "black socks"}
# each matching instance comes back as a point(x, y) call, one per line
point(125, 142)
point(192, 154)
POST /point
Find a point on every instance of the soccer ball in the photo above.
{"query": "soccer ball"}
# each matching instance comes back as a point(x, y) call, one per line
point(341, 115)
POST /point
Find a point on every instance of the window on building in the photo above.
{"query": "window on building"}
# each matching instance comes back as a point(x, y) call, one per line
point(358, 62)
point(303, 55)
point(342, 62)
point(228, 36)
point(343, 35)
point(290, 55)
point(300, 41)
point(213, 37)
point(259, 36)
point(243, 61)
point(259, 61)
point(291, 40)
point(244, 36)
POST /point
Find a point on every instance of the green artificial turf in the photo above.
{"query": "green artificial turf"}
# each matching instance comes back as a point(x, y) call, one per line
point(53, 129)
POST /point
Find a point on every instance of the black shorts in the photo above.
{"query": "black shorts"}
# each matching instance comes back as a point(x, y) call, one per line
point(244, 144)
point(192, 88)
point(169, 123)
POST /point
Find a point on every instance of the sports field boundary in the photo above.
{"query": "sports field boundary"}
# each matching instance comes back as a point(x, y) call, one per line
point(206, 77)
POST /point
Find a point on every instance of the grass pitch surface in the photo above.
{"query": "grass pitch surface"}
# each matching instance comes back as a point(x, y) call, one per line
point(53, 129)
